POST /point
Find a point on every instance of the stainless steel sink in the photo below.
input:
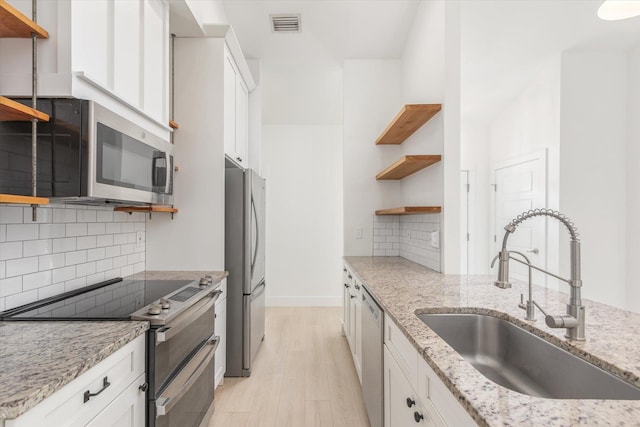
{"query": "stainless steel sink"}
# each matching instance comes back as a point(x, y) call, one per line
point(523, 362)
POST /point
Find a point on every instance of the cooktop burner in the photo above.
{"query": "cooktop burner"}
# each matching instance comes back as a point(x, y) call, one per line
point(112, 301)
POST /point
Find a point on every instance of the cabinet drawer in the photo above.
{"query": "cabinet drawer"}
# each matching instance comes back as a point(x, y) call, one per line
point(127, 410)
point(402, 350)
point(67, 406)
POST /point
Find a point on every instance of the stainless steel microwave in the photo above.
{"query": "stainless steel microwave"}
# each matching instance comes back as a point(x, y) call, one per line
point(86, 154)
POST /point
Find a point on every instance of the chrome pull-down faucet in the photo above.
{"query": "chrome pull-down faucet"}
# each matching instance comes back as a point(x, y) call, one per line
point(573, 321)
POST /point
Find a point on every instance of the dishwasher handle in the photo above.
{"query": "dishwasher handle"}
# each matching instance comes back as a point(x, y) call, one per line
point(371, 305)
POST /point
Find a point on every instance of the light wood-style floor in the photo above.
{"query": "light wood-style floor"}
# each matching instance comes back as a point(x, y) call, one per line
point(303, 376)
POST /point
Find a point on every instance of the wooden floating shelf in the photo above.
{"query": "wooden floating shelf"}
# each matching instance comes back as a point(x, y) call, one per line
point(409, 210)
point(409, 119)
point(23, 200)
point(408, 165)
point(13, 24)
point(152, 208)
point(173, 125)
point(11, 110)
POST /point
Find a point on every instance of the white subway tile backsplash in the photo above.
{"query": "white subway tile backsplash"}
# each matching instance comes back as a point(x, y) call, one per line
point(86, 269)
point(19, 232)
point(43, 216)
point(106, 240)
point(86, 216)
point(64, 215)
point(11, 215)
point(22, 298)
point(64, 245)
point(22, 266)
point(68, 247)
point(120, 239)
point(96, 254)
point(64, 274)
point(36, 280)
point(112, 251)
point(104, 216)
point(37, 247)
point(104, 265)
point(114, 227)
point(75, 257)
point(50, 291)
point(49, 262)
point(10, 250)
point(52, 231)
point(74, 230)
point(86, 242)
point(10, 286)
point(96, 228)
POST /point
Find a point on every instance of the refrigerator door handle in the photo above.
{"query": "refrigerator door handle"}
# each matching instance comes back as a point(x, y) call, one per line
point(254, 214)
point(259, 290)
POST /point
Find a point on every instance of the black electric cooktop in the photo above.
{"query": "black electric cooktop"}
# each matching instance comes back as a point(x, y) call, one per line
point(111, 300)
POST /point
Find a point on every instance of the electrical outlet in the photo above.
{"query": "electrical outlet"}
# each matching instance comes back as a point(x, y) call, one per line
point(359, 233)
point(139, 239)
point(435, 239)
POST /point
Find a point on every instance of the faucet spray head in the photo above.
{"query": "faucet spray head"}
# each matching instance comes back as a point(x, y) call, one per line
point(503, 270)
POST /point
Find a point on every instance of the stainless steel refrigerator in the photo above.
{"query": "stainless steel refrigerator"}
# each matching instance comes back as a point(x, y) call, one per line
point(244, 260)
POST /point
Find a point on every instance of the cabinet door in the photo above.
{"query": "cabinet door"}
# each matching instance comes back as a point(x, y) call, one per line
point(230, 76)
point(242, 122)
point(221, 330)
point(127, 41)
point(358, 334)
point(346, 312)
point(156, 64)
point(91, 41)
point(402, 408)
point(352, 323)
point(126, 410)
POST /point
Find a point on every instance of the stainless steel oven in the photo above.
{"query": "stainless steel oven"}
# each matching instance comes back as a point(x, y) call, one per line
point(181, 343)
point(86, 154)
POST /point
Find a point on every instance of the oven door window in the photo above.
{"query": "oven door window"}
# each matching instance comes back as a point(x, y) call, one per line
point(126, 162)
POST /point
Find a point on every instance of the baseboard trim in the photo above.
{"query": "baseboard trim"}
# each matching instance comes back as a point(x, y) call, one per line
point(303, 301)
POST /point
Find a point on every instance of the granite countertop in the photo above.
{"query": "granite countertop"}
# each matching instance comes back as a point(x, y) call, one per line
point(217, 276)
point(39, 358)
point(403, 288)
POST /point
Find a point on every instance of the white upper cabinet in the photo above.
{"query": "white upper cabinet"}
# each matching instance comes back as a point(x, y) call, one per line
point(115, 52)
point(236, 113)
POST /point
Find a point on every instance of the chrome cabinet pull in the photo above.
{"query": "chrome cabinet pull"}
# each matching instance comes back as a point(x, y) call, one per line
point(88, 395)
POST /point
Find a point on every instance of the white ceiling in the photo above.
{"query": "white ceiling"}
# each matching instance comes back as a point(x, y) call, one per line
point(504, 43)
point(338, 29)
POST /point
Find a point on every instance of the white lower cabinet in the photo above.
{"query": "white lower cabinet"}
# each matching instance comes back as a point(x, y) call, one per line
point(413, 393)
point(127, 410)
point(352, 318)
point(221, 331)
point(109, 394)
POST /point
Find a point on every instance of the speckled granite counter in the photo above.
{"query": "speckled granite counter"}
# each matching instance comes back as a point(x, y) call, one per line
point(217, 276)
point(613, 341)
point(39, 358)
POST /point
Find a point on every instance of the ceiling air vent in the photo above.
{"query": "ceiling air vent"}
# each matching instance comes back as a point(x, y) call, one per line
point(285, 23)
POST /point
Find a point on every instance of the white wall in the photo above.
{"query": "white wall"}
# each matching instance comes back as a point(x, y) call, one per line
point(194, 239)
point(593, 173)
point(302, 164)
point(633, 182)
point(372, 97)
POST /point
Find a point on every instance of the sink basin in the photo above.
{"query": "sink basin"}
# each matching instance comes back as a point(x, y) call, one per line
point(523, 362)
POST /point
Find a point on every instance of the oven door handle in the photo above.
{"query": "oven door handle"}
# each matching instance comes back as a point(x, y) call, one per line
point(187, 318)
point(186, 377)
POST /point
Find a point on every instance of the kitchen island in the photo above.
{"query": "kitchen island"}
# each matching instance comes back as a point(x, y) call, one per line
point(404, 289)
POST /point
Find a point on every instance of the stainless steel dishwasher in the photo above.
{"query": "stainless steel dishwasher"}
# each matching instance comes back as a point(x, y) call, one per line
point(372, 356)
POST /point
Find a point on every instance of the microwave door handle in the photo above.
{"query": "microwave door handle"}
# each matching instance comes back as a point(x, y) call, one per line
point(169, 174)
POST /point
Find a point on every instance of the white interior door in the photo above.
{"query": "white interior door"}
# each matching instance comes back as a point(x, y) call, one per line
point(521, 185)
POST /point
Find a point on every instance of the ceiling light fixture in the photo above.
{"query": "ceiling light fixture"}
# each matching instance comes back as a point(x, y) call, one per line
point(613, 10)
point(289, 23)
